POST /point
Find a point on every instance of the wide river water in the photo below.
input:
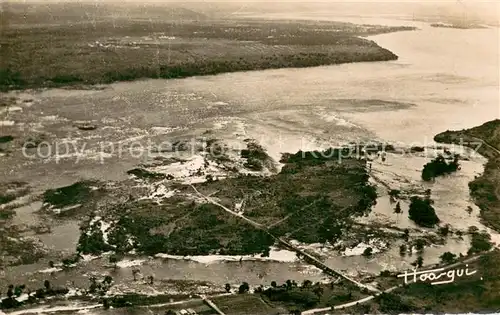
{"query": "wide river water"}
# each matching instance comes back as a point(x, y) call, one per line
point(444, 79)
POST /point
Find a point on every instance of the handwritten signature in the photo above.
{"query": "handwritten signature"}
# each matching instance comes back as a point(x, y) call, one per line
point(432, 276)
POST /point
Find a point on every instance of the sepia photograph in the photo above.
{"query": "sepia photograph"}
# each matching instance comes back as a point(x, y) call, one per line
point(238, 157)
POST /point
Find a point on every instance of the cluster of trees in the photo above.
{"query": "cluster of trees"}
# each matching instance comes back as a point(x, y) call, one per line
point(392, 303)
point(438, 167)
point(480, 241)
point(199, 237)
point(5, 139)
point(91, 240)
point(256, 156)
point(100, 288)
point(10, 79)
point(422, 212)
point(306, 295)
point(68, 195)
point(145, 174)
point(14, 292)
point(418, 244)
point(368, 252)
point(448, 258)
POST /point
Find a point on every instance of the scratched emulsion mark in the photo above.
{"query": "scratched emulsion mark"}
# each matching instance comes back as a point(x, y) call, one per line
point(425, 275)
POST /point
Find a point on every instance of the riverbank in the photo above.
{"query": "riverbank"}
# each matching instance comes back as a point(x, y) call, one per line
point(102, 52)
point(485, 189)
point(480, 292)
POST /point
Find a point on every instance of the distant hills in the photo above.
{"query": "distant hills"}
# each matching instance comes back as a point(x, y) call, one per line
point(41, 12)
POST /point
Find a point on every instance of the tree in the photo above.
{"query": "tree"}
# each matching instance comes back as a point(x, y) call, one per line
point(244, 288)
point(51, 264)
point(135, 272)
point(419, 262)
point(266, 252)
point(105, 304)
point(18, 290)
point(227, 287)
point(306, 284)
point(10, 291)
point(406, 235)
point(39, 294)
point(68, 262)
point(169, 312)
point(394, 193)
point(385, 273)
point(419, 244)
point(318, 290)
point(397, 209)
point(422, 212)
point(368, 252)
point(273, 284)
point(445, 230)
point(151, 279)
point(46, 284)
point(113, 259)
point(93, 285)
point(107, 280)
point(402, 249)
point(473, 229)
point(448, 258)
point(469, 210)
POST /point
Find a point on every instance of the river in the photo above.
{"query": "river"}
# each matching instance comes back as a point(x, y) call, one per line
point(444, 79)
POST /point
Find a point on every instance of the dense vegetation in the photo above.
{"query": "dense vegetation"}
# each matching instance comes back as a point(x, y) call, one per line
point(422, 212)
point(299, 297)
point(311, 199)
point(304, 297)
point(475, 293)
point(438, 167)
point(145, 174)
point(11, 191)
point(390, 303)
point(69, 195)
point(6, 198)
point(256, 157)
point(480, 242)
point(95, 53)
point(5, 139)
point(458, 25)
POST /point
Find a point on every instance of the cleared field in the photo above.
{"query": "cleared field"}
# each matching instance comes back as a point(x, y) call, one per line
point(246, 304)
